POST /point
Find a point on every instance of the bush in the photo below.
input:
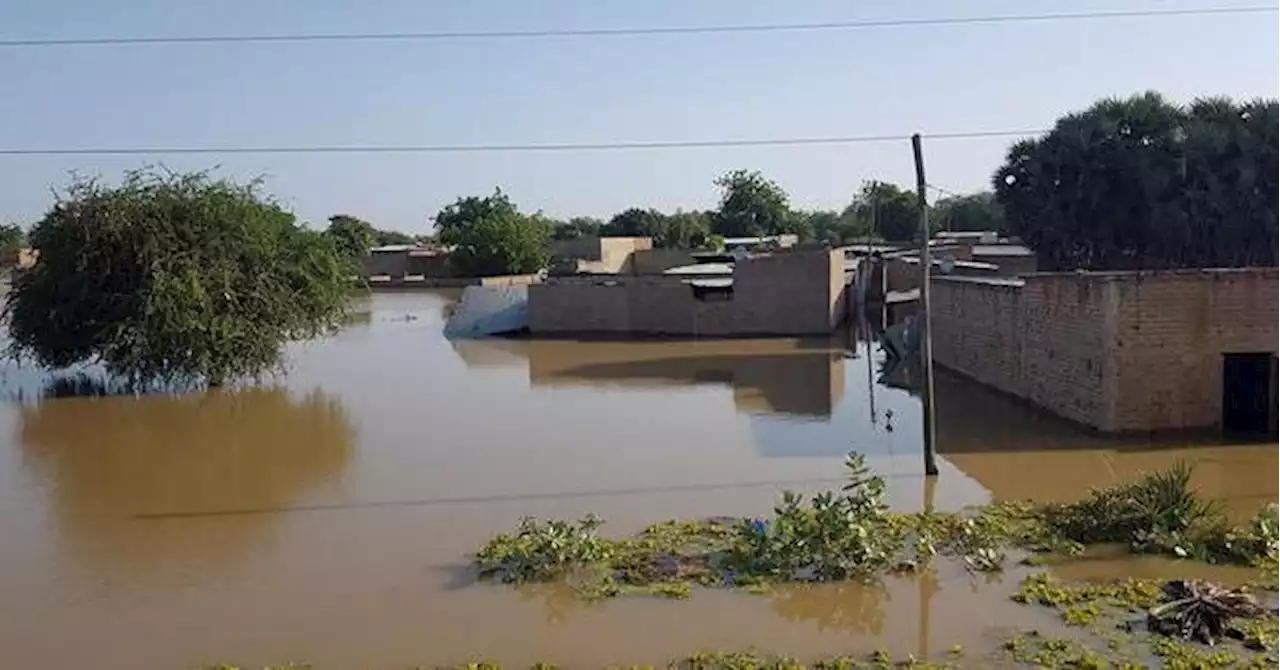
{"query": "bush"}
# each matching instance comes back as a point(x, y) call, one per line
point(173, 277)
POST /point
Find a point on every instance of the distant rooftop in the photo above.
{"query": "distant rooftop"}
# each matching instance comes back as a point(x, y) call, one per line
point(392, 248)
point(702, 269)
point(1001, 250)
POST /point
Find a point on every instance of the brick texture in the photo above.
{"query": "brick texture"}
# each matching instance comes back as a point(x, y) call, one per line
point(1123, 352)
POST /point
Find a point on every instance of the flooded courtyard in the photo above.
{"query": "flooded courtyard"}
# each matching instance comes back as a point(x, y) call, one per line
point(330, 519)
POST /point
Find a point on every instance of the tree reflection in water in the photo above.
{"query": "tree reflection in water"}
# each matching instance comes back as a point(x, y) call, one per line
point(124, 469)
point(851, 607)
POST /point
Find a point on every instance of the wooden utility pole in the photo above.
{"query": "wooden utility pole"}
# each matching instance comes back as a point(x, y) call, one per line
point(926, 337)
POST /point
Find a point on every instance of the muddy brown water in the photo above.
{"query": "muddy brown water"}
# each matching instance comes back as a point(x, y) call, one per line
point(329, 519)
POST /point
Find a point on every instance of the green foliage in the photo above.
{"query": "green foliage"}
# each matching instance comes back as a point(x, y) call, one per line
point(1144, 183)
point(1153, 512)
point(491, 237)
point(974, 212)
point(887, 211)
point(352, 236)
point(576, 228)
point(542, 551)
point(387, 237)
point(836, 537)
point(682, 230)
point(750, 206)
point(174, 277)
point(12, 238)
point(466, 212)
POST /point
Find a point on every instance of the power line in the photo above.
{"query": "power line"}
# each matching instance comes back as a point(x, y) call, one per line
point(619, 32)
point(504, 148)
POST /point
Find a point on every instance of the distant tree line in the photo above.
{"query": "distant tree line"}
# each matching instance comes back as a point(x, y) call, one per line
point(1144, 183)
point(492, 236)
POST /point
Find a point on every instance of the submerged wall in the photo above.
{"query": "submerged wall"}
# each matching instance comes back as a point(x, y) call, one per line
point(1134, 351)
point(800, 293)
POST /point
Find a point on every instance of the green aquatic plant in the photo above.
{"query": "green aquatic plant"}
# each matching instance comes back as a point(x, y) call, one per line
point(834, 537)
point(1156, 513)
point(544, 550)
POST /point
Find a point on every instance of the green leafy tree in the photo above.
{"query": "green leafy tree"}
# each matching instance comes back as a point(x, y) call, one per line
point(492, 237)
point(174, 277)
point(1144, 183)
point(637, 222)
point(452, 220)
point(12, 238)
point(887, 211)
point(974, 212)
point(577, 228)
point(750, 206)
point(352, 236)
point(685, 230)
point(388, 237)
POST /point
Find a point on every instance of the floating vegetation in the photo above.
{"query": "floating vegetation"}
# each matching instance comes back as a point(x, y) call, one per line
point(834, 536)
point(852, 535)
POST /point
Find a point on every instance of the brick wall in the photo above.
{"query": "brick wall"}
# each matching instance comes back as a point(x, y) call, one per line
point(1172, 330)
point(1047, 340)
point(1116, 351)
point(780, 294)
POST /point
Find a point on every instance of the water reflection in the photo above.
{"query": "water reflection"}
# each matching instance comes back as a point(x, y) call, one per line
point(117, 458)
point(800, 378)
point(849, 607)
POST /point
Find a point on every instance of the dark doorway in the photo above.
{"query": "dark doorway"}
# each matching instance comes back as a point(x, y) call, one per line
point(1246, 394)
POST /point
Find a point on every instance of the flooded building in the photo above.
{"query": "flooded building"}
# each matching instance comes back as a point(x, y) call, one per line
point(1120, 351)
point(790, 293)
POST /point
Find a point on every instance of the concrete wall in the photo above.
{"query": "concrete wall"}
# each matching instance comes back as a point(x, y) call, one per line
point(598, 255)
point(397, 264)
point(1011, 265)
point(657, 261)
point(418, 282)
point(779, 294)
point(1115, 351)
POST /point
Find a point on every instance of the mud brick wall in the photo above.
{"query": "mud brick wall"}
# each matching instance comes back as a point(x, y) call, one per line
point(799, 293)
point(1123, 352)
point(1172, 330)
point(1042, 341)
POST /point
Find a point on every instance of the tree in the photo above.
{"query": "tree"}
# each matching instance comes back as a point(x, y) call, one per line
point(492, 237)
point(636, 222)
point(174, 278)
point(887, 211)
point(685, 230)
point(750, 206)
point(974, 212)
point(470, 210)
point(1144, 183)
point(388, 237)
point(12, 238)
point(352, 236)
point(576, 228)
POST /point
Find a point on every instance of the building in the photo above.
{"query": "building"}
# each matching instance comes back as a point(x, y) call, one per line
point(402, 261)
point(787, 293)
point(1120, 351)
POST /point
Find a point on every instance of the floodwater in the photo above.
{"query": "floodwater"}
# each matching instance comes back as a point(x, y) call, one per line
point(330, 519)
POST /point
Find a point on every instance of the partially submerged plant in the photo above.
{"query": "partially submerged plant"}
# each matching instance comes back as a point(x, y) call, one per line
point(543, 551)
point(835, 537)
point(1157, 513)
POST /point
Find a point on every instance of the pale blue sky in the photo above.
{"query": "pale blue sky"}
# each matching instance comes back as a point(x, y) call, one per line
point(634, 88)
